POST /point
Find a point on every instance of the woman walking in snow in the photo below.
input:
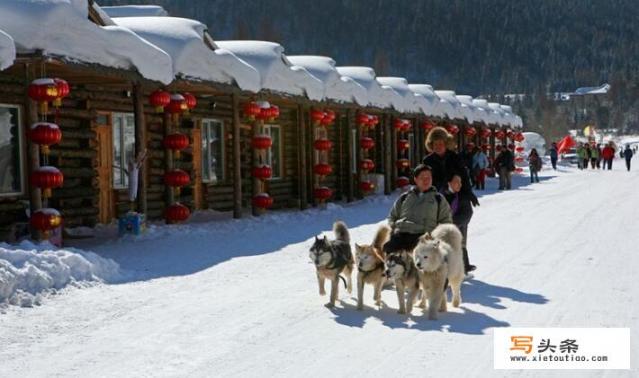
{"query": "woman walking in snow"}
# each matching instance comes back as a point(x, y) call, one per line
point(480, 164)
point(627, 154)
point(534, 162)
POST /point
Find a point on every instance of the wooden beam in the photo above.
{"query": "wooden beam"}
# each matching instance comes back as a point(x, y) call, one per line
point(33, 151)
point(168, 157)
point(349, 153)
point(140, 144)
point(302, 156)
point(388, 154)
point(237, 159)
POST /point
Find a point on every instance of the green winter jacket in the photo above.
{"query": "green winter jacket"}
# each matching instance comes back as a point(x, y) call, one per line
point(594, 153)
point(581, 153)
point(418, 213)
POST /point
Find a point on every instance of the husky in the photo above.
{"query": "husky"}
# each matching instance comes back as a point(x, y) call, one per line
point(370, 266)
point(438, 255)
point(331, 259)
point(400, 268)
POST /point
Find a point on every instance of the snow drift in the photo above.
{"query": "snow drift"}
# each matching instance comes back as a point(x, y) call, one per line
point(28, 270)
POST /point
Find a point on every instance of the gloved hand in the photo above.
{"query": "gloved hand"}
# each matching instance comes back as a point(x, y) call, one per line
point(474, 200)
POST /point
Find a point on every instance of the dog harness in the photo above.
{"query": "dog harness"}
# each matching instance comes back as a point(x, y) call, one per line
point(367, 272)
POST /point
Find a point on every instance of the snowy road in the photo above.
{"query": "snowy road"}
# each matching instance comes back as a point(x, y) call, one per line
point(240, 298)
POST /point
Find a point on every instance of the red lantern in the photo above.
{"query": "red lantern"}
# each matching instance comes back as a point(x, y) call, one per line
point(510, 134)
point(159, 99)
point(403, 144)
point(519, 149)
point(398, 124)
point(43, 91)
point(63, 91)
point(519, 169)
point(366, 186)
point(273, 112)
point(367, 165)
point(366, 143)
point(190, 100)
point(373, 121)
point(176, 142)
point(485, 147)
point(262, 201)
point(317, 116)
point(427, 126)
point(263, 172)
point(176, 178)
point(362, 119)
point(252, 110)
point(519, 159)
point(322, 193)
point(452, 129)
point(519, 137)
point(470, 131)
point(485, 133)
point(402, 181)
point(326, 121)
point(402, 163)
point(45, 134)
point(500, 134)
point(322, 169)
point(45, 220)
point(511, 146)
point(177, 105)
point(176, 213)
point(330, 115)
point(499, 148)
point(47, 178)
point(261, 142)
point(406, 125)
point(323, 144)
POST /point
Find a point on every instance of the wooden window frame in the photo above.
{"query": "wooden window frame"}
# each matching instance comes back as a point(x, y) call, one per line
point(21, 153)
point(206, 123)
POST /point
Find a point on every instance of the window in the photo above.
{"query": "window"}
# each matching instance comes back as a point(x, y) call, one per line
point(274, 154)
point(123, 147)
point(11, 150)
point(212, 150)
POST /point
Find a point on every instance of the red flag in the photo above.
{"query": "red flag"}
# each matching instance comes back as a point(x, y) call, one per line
point(565, 144)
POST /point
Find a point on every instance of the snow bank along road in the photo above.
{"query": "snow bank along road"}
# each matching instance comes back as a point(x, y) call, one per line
point(239, 298)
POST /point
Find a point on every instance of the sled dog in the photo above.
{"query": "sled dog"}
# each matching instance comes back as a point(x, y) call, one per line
point(370, 266)
point(401, 269)
point(332, 258)
point(438, 255)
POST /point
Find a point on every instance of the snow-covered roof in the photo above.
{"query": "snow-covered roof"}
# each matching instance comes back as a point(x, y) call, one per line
point(501, 116)
point(365, 76)
point(62, 28)
point(491, 116)
point(193, 52)
point(510, 116)
point(469, 109)
point(336, 87)
point(429, 101)
point(277, 73)
point(451, 105)
point(407, 101)
point(7, 50)
point(135, 11)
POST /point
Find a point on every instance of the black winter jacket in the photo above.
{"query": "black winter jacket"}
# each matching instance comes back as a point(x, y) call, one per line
point(444, 167)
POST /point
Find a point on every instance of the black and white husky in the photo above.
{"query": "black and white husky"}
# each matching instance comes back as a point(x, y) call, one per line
point(332, 258)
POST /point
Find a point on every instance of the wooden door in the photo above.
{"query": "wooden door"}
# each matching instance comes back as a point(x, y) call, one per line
point(197, 166)
point(104, 136)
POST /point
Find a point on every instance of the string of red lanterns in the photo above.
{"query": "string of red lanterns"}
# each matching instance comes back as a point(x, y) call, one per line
point(257, 113)
point(45, 134)
point(321, 119)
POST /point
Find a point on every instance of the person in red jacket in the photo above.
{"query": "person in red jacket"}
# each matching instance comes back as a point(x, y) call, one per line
point(607, 154)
